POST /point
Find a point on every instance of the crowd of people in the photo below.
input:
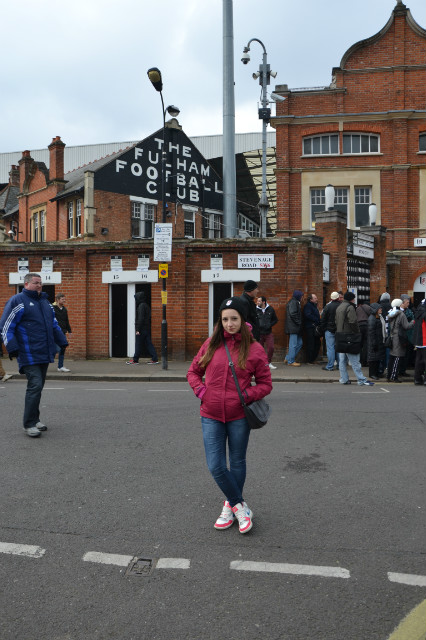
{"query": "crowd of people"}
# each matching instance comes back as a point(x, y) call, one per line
point(389, 335)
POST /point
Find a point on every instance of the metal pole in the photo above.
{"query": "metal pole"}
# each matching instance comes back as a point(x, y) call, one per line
point(263, 204)
point(229, 169)
point(164, 359)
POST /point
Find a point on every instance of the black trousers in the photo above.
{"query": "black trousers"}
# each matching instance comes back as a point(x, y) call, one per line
point(420, 366)
point(313, 343)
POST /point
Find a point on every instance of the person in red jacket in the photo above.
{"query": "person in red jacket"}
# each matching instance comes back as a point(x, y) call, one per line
point(222, 415)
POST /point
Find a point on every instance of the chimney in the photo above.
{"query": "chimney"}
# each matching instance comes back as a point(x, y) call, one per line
point(14, 176)
point(24, 168)
point(56, 161)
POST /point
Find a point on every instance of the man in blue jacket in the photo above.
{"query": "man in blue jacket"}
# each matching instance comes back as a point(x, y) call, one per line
point(30, 333)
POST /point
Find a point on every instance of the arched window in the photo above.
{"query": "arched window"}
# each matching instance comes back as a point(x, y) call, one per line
point(360, 143)
point(321, 145)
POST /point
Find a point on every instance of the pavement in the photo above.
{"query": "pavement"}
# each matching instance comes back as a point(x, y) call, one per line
point(116, 370)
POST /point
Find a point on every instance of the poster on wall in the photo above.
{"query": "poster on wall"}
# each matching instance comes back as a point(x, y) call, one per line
point(23, 265)
point(116, 263)
point(143, 262)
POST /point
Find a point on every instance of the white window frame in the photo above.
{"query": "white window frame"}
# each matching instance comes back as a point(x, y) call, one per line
point(214, 223)
point(321, 137)
point(360, 135)
point(361, 193)
point(341, 197)
point(78, 218)
point(70, 209)
point(245, 224)
point(146, 216)
point(189, 218)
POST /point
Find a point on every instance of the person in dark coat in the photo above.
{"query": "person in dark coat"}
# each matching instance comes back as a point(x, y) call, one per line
point(376, 335)
point(30, 333)
point(362, 313)
point(311, 320)
point(328, 328)
point(267, 319)
point(397, 320)
point(419, 341)
point(249, 299)
point(143, 330)
point(384, 301)
point(293, 327)
point(61, 314)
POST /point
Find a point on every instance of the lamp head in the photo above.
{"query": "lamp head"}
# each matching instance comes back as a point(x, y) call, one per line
point(173, 111)
point(154, 75)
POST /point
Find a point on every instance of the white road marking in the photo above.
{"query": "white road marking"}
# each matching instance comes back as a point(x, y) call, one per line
point(163, 390)
point(53, 388)
point(173, 563)
point(107, 558)
point(106, 389)
point(124, 561)
point(385, 390)
point(407, 578)
point(27, 550)
point(295, 569)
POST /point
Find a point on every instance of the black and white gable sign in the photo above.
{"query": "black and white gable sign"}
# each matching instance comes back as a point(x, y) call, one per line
point(189, 179)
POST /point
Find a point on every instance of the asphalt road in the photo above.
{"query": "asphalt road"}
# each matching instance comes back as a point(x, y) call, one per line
point(336, 481)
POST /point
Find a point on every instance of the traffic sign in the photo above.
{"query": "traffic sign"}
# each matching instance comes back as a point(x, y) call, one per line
point(163, 270)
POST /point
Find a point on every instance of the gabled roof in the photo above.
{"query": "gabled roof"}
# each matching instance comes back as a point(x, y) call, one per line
point(400, 9)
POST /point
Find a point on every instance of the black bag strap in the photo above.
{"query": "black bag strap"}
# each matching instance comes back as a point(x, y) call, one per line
point(231, 364)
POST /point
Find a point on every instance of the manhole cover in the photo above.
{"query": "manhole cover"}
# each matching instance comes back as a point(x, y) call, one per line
point(140, 567)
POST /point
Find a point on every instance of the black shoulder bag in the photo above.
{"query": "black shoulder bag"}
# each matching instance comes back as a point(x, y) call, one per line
point(257, 412)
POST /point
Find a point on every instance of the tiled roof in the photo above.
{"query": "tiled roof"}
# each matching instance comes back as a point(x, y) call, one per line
point(9, 200)
point(75, 179)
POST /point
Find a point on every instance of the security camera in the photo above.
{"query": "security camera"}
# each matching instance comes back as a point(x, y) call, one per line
point(246, 58)
point(276, 97)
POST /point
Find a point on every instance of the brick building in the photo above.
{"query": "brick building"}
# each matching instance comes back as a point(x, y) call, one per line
point(364, 134)
point(90, 231)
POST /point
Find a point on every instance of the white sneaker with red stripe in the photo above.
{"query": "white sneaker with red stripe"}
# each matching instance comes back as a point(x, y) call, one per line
point(244, 516)
point(226, 518)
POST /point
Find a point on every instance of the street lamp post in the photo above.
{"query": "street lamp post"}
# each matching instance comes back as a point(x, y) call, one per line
point(264, 74)
point(156, 80)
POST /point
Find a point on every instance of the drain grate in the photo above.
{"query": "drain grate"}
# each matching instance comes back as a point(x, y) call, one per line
point(141, 567)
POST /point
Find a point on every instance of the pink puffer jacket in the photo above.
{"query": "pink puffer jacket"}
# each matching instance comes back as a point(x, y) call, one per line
point(219, 395)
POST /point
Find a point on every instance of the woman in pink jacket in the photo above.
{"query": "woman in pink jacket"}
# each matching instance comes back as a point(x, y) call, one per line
point(222, 416)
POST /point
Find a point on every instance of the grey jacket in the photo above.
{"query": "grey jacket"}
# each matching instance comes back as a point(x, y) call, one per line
point(396, 321)
point(346, 318)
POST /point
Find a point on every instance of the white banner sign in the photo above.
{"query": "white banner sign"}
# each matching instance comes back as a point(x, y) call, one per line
point(420, 242)
point(113, 277)
point(54, 277)
point(256, 261)
point(163, 242)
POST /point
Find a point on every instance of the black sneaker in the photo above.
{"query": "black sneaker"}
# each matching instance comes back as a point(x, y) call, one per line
point(153, 362)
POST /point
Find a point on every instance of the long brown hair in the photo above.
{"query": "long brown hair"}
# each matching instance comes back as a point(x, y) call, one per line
point(218, 339)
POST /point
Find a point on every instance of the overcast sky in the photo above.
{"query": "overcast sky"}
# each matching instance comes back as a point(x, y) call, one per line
point(78, 69)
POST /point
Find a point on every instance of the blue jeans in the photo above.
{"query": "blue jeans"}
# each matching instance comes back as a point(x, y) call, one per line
point(215, 434)
point(354, 361)
point(61, 356)
point(294, 346)
point(330, 341)
point(144, 337)
point(36, 376)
